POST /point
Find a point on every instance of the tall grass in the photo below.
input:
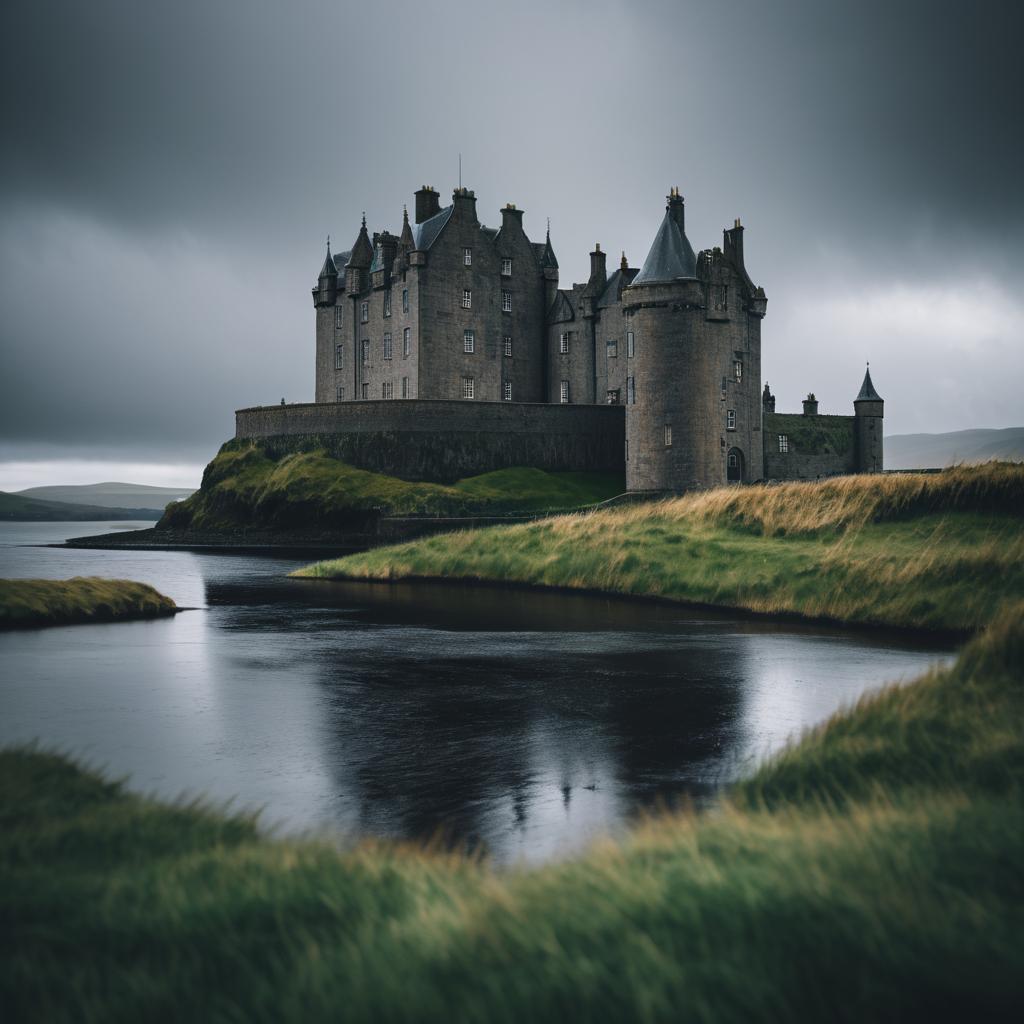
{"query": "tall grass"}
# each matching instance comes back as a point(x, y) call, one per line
point(244, 486)
point(875, 871)
point(81, 599)
point(937, 551)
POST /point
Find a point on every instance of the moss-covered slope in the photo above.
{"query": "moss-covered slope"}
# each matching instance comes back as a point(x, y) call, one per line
point(245, 487)
point(26, 603)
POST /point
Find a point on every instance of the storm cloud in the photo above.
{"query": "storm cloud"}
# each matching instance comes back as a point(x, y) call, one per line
point(170, 172)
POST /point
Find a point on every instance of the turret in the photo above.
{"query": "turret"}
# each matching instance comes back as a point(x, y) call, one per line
point(869, 409)
point(326, 291)
point(549, 270)
point(358, 266)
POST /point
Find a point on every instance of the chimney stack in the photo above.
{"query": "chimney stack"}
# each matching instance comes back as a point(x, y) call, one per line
point(598, 273)
point(428, 203)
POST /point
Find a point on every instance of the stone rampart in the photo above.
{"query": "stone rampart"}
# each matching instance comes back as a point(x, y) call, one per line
point(443, 441)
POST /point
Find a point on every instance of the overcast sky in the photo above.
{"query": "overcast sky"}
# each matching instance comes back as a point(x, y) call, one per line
point(170, 171)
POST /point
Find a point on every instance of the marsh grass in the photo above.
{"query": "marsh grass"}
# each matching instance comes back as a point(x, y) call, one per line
point(874, 871)
point(25, 603)
point(244, 486)
point(937, 551)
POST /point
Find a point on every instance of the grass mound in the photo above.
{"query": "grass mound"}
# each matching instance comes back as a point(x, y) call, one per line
point(875, 871)
point(926, 551)
point(82, 599)
point(245, 486)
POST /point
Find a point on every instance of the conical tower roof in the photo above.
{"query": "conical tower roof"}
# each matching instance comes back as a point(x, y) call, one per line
point(362, 251)
point(671, 256)
point(406, 241)
point(547, 259)
point(867, 390)
point(330, 268)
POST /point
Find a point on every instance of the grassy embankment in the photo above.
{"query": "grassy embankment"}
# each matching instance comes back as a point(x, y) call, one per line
point(25, 603)
point(875, 871)
point(244, 486)
point(938, 551)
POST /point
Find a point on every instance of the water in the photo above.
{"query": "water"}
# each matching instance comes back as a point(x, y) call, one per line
point(527, 723)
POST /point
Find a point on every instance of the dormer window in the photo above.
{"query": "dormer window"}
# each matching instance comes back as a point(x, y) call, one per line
point(467, 257)
point(506, 267)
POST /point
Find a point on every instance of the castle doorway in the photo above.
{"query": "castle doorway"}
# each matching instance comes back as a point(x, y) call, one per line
point(734, 466)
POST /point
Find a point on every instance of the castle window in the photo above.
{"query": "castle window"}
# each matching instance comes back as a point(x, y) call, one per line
point(406, 336)
point(668, 435)
point(730, 419)
point(405, 387)
point(613, 349)
point(507, 341)
point(468, 341)
point(387, 345)
point(387, 389)
point(366, 350)
point(405, 300)
point(563, 342)
point(339, 357)
point(339, 394)
point(719, 297)
point(506, 391)
point(366, 391)
point(630, 345)
point(563, 392)
point(467, 257)
point(732, 461)
point(467, 387)
point(725, 388)
point(783, 442)
point(467, 299)
point(506, 267)
point(630, 391)
point(506, 302)
point(613, 396)
point(364, 312)
point(737, 367)
point(339, 317)
point(387, 303)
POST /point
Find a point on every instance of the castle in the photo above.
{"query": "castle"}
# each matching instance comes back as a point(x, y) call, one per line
point(449, 349)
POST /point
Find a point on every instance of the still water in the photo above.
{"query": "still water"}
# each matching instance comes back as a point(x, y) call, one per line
point(528, 724)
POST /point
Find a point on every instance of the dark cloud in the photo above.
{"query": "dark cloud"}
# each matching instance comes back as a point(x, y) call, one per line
point(170, 170)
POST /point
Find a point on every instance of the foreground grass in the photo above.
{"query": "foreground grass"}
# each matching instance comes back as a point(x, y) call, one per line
point(82, 599)
point(938, 551)
point(873, 872)
point(244, 486)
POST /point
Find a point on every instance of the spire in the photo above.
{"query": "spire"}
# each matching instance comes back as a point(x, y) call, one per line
point(548, 257)
point(671, 256)
point(330, 269)
point(867, 389)
point(406, 240)
point(362, 251)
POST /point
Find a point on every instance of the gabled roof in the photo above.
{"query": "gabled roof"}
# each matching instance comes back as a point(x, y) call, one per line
point(671, 256)
point(867, 390)
point(561, 309)
point(612, 293)
point(427, 232)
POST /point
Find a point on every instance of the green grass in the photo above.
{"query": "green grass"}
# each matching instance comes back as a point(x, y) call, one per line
point(875, 871)
point(939, 551)
point(244, 486)
point(25, 603)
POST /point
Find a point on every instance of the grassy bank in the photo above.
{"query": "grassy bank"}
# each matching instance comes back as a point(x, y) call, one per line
point(25, 603)
point(244, 486)
point(938, 551)
point(875, 872)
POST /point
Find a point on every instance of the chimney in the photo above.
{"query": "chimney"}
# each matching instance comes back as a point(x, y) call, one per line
point(810, 405)
point(598, 273)
point(511, 215)
point(428, 202)
point(732, 243)
point(768, 399)
point(676, 208)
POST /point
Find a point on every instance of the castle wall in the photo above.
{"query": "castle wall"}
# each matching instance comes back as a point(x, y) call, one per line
point(443, 441)
point(818, 446)
point(577, 365)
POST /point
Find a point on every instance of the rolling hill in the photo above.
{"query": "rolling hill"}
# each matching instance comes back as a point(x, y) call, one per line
point(934, 451)
point(111, 494)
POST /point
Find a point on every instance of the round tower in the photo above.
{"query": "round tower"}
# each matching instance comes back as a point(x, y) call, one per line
point(672, 394)
point(326, 291)
point(868, 409)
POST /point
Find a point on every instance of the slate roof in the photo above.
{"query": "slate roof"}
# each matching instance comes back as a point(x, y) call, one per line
point(867, 390)
point(561, 309)
point(362, 252)
point(329, 268)
point(426, 233)
point(612, 293)
point(671, 256)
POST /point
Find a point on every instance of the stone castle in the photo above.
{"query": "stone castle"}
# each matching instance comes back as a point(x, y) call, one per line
point(449, 349)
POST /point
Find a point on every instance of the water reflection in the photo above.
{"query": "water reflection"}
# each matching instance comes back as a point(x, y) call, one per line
point(524, 723)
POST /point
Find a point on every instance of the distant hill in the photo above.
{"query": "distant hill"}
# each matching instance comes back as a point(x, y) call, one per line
point(15, 508)
point(933, 451)
point(111, 495)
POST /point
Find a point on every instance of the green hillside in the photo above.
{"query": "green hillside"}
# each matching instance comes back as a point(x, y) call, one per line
point(15, 508)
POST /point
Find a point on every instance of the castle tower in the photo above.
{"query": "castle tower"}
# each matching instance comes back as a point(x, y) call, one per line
point(358, 266)
point(326, 291)
point(869, 409)
point(549, 271)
